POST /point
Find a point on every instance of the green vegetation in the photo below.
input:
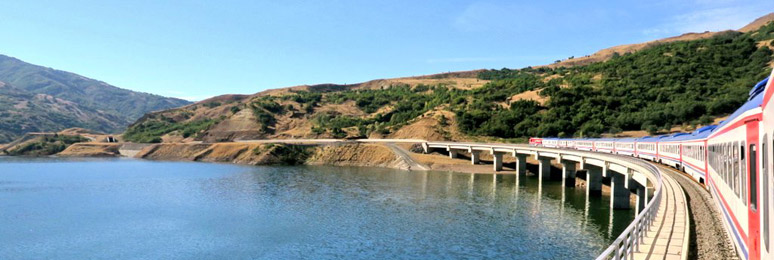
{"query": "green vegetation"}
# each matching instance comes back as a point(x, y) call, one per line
point(21, 112)
point(654, 89)
point(263, 110)
point(150, 131)
point(235, 109)
point(47, 145)
point(211, 104)
point(304, 97)
point(286, 154)
point(407, 104)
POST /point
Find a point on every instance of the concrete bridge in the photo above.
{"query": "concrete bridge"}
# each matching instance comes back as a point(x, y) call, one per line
point(661, 228)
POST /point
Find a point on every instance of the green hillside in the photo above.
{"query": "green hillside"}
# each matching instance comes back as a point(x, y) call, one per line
point(669, 84)
point(23, 112)
point(687, 82)
point(36, 98)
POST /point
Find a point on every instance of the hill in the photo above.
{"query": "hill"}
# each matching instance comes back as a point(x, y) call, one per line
point(683, 81)
point(37, 99)
point(606, 54)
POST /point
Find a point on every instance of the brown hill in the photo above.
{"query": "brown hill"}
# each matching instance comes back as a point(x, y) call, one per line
point(758, 23)
point(608, 53)
point(356, 110)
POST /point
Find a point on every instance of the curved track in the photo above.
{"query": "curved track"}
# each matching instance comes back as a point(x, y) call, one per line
point(708, 237)
point(667, 238)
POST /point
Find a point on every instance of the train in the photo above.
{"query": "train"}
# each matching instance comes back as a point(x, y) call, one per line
point(732, 160)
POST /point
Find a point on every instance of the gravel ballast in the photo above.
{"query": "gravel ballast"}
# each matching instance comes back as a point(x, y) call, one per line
point(709, 239)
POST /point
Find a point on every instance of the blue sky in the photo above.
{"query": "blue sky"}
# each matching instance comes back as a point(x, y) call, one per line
point(198, 49)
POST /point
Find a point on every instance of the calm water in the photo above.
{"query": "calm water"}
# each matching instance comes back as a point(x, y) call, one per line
point(120, 208)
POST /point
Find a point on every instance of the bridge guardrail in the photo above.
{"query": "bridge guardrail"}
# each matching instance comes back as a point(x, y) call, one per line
point(629, 240)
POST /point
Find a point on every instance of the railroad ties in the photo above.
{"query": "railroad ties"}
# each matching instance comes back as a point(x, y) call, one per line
point(661, 228)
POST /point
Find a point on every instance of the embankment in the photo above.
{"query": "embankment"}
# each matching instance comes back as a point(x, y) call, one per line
point(348, 154)
point(91, 150)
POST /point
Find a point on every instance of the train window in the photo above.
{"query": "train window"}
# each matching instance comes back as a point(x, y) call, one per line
point(753, 179)
point(765, 190)
point(727, 155)
point(724, 153)
point(738, 168)
point(743, 175)
point(722, 161)
point(703, 155)
point(730, 164)
point(731, 159)
point(734, 167)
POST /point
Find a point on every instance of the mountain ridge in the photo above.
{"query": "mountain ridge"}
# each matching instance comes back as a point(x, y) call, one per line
point(35, 98)
point(598, 56)
point(610, 94)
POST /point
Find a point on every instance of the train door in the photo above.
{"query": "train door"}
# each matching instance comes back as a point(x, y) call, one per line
point(753, 237)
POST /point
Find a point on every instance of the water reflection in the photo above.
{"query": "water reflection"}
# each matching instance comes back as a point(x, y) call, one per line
point(120, 208)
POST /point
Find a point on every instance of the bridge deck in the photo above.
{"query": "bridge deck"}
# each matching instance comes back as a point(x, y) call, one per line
point(669, 234)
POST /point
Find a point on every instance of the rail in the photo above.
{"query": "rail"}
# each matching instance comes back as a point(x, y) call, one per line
point(628, 242)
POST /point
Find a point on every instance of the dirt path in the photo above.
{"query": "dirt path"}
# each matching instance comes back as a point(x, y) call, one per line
point(403, 154)
point(708, 236)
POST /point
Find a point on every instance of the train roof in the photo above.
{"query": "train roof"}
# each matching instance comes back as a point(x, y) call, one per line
point(674, 137)
point(650, 138)
point(755, 100)
point(701, 133)
point(628, 139)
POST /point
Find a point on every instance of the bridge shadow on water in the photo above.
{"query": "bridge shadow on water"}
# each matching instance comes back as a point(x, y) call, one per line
point(596, 210)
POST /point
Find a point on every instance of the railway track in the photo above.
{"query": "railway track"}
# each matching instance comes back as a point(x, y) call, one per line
point(666, 238)
point(708, 238)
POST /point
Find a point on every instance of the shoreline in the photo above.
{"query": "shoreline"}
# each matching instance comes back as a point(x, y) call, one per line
point(370, 153)
point(253, 153)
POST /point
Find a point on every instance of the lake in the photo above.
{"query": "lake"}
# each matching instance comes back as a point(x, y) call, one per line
point(126, 208)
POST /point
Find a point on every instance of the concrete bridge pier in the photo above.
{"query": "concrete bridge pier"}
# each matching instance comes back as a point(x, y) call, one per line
point(475, 156)
point(452, 153)
point(619, 194)
point(521, 163)
point(568, 173)
point(641, 198)
point(544, 167)
point(593, 180)
point(498, 160)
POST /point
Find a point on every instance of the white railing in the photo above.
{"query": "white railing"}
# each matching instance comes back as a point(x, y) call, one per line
point(629, 240)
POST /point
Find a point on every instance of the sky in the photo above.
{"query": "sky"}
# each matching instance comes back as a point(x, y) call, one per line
point(198, 49)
